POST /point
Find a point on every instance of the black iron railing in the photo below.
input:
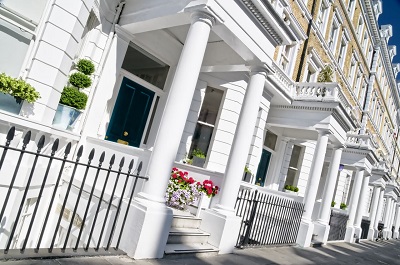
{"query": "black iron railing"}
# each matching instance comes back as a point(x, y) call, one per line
point(267, 219)
point(48, 206)
point(337, 223)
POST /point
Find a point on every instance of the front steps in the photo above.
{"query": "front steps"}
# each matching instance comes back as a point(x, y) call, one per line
point(185, 237)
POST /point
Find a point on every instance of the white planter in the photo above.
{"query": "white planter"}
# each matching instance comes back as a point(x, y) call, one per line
point(10, 104)
point(65, 117)
point(290, 191)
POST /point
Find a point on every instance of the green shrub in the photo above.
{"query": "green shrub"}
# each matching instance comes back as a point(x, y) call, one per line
point(18, 88)
point(85, 66)
point(80, 80)
point(247, 170)
point(72, 97)
point(292, 188)
point(343, 206)
point(295, 189)
point(198, 153)
point(333, 203)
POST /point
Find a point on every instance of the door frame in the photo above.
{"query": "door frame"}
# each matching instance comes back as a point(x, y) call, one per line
point(157, 93)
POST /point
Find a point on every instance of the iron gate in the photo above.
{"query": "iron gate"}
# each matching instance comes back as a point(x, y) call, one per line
point(337, 223)
point(53, 205)
point(267, 219)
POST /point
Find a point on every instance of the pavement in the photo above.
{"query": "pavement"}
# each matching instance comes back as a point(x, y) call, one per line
point(365, 253)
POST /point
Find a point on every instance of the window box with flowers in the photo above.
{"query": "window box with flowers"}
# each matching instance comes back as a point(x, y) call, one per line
point(183, 190)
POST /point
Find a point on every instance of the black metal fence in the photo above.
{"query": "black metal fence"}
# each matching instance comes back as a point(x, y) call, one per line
point(337, 223)
point(267, 219)
point(53, 204)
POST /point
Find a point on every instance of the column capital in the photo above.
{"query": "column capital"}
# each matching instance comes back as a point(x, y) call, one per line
point(323, 131)
point(261, 68)
point(203, 17)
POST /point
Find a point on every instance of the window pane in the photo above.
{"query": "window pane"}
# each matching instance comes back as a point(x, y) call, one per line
point(270, 140)
point(210, 106)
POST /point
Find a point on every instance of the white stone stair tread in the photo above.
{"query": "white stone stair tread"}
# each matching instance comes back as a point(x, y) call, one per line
point(189, 248)
point(180, 213)
point(186, 231)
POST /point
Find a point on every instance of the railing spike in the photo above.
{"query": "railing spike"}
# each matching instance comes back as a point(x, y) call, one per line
point(80, 151)
point(102, 156)
point(112, 160)
point(54, 148)
point(11, 134)
point(68, 149)
point(41, 142)
point(131, 164)
point(91, 155)
point(139, 168)
point(121, 163)
point(27, 138)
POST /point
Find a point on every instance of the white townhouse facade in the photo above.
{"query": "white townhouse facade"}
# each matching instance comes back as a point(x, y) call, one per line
point(236, 80)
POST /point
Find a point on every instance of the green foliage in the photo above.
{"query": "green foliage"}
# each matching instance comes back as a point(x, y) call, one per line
point(85, 66)
point(73, 97)
point(333, 203)
point(292, 188)
point(198, 153)
point(80, 80)
point(247, 170)
point(326, 75)
point(343, 206)
point(18, 88)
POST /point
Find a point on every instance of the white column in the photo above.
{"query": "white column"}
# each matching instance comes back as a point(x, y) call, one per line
point(373, 213)
point(148, 210)
point(321, 227)
point(361, 206)
point(391, 218)
point(306, 226)
point(242, 140)
point(355, 195)
point(397, 222)
point(379, 211)
point(221, 221)
point(386, 217)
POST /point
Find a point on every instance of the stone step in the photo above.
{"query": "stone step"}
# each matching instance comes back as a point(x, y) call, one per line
point(187, 235)
point(186, 222)
point(316, 244)
point(190, 249)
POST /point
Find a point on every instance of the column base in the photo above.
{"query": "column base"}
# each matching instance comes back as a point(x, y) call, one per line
point(146, 229)
point(321, 231)
point(357, 233)
point(386, 234)
point(223, 228)
point(305, 233)
point(349, 236)
point(396, 235)
point(371, 234)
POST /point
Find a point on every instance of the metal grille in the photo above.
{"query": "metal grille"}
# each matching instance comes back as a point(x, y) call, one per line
point(54, 205)
point(267, 219)
point(364, 228)
point(337, 223)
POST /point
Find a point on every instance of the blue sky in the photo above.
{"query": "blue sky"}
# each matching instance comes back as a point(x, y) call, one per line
point(391, 15)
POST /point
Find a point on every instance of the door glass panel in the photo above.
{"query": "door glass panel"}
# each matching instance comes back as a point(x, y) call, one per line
point(144, 65)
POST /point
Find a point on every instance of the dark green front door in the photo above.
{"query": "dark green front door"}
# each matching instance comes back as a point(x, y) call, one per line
point(263, 167)
point(130, 113)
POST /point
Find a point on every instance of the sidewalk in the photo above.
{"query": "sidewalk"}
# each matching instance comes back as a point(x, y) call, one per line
point(365, 253)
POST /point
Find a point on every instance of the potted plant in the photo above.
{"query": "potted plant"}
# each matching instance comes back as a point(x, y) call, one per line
point(333, 203)
point(13, 92)
point(325, 76)
point(72, 100)
point(343, 206)
point(290, 189)
point(199, 158)
point(247, 174)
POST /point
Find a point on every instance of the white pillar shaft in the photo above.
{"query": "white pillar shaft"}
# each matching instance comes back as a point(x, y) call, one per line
point(241, 142)
point(379, 210)
point(397, 221)
point(355, 195)
point(177, 107)
point(361, 202)
point(329, 188)
point(391, 215)
point(315, 175)
point(387, 211)
point(374, 206)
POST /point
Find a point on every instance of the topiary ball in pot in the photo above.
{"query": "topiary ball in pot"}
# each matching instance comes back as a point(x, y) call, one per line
point(80, 80)
point(73, 97)
point(85, 66)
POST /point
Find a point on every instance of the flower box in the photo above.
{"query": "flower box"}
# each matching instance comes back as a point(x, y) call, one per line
point(10, 104)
